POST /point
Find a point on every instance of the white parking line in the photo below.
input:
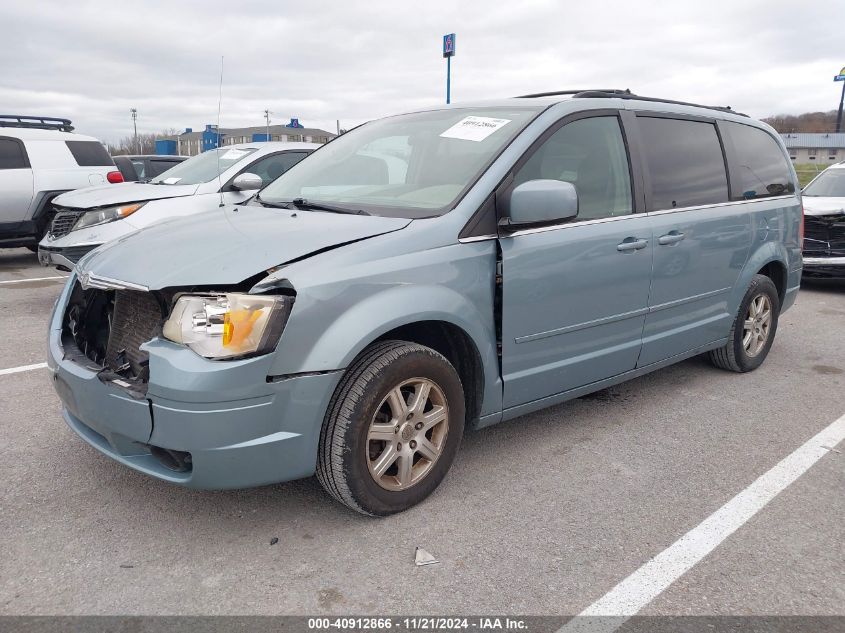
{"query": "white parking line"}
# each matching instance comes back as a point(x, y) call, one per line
point(20, 281)
point(644, 585)
point(15, 370)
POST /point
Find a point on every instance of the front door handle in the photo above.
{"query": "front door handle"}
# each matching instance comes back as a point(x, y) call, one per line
point(672, 237)
point(631, 244)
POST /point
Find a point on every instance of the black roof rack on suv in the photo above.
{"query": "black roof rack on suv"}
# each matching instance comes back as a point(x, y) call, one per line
point(36, 122)
point(627, 94)
point(607, 91)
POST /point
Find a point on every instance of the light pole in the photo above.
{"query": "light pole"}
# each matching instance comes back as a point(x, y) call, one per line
point(449, 53)
point(134, 113)
point(840, 77)
point(267, 114)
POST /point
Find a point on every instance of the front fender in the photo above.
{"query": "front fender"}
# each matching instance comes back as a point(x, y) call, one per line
point(331, 324)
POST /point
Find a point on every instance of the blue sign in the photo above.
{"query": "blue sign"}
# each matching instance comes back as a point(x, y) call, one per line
point(294, 123)
point(449, 45)
point(839, 78)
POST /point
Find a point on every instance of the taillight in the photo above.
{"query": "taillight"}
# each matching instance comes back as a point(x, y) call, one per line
point(114, 177)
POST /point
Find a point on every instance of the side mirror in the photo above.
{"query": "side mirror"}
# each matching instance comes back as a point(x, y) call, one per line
point(542, 201)
point(247, 182)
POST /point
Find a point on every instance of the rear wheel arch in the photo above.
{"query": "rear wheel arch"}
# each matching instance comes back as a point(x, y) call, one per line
point(776, 271)
point(767, 259)
point(43, 213)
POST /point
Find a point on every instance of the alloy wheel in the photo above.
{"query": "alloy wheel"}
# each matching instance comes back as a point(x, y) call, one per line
point(407, 434)
point(757, 325)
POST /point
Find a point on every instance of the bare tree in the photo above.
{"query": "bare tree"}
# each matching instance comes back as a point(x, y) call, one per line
point(807, 122)
point(146, 143)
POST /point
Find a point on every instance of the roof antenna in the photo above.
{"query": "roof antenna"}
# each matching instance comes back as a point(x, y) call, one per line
point(217, 131)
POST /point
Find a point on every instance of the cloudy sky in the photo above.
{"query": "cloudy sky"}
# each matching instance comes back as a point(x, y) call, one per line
point(353, 61)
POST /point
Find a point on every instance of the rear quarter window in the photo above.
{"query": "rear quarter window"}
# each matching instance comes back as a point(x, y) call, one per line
point(759, 167)
point(89, 154)
point(12, 154)
point(685, 162)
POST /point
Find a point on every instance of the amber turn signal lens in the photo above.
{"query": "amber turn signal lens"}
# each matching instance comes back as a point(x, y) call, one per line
point(237, 326)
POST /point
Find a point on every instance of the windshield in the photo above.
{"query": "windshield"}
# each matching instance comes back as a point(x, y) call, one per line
point(202, 167)
point(414, 165)
point(830, 183)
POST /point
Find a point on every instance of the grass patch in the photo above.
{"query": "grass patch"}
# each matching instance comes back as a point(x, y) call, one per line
point(807, 171)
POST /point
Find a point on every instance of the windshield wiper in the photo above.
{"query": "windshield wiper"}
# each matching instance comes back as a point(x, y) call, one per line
point(302, 203)
point(267, 203)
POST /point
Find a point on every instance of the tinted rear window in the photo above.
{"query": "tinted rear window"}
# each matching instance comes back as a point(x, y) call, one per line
point(160, 166)
point(89, 154)
point(761, 169)
point(12, 154)
point(685, 163)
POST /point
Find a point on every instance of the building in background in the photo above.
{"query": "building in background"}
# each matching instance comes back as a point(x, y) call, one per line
point(190, 143)
point(819, 148)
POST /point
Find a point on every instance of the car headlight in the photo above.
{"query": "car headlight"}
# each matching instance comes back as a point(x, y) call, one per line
point(228, 325)
point(106, 214)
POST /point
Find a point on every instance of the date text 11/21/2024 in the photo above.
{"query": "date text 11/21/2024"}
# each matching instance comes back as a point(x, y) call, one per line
point(418, 623)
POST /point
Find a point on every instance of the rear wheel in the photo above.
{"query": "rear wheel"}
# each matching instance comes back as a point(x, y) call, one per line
point(392, 429)
point(753, 330)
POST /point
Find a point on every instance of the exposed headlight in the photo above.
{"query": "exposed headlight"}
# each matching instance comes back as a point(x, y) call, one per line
point(228, 325)
point(106, 214)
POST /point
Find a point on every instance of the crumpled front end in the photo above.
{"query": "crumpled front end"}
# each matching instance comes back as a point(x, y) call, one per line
point(824, 244)
point(160, 408)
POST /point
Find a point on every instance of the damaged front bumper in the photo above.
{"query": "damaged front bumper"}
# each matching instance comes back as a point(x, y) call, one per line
point(64, 257)
point(825, 267)
point(824, 244)
point(181, 430)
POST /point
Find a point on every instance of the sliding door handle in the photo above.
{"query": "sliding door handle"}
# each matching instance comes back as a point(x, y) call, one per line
point(631, 244)
point(672, 237)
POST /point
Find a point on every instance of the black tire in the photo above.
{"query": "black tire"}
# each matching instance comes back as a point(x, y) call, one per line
point(733, 356)
point(343, 458)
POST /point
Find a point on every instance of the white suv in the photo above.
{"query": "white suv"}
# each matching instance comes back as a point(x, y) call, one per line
point(39, 159)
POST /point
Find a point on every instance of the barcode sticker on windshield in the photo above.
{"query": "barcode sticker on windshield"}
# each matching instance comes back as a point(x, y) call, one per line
point(233, 154)
point(474, 128)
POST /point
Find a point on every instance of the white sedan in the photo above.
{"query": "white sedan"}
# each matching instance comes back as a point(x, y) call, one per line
point(87, 218)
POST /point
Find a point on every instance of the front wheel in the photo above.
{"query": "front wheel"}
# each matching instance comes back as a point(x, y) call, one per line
point(392, 429)
point(753, 330)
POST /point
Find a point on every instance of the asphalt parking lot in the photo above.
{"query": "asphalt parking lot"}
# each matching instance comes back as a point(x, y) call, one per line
point(541, 515)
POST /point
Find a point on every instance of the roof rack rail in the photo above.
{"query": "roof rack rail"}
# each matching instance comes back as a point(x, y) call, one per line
point(607, 91)
point(36, 122)
point(615, 94)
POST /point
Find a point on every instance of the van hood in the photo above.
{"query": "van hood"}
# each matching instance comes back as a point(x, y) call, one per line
point(823, 205)
point(226, 245)
point(107, 195)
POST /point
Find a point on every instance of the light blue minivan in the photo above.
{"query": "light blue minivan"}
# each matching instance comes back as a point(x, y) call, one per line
point(422, 273)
